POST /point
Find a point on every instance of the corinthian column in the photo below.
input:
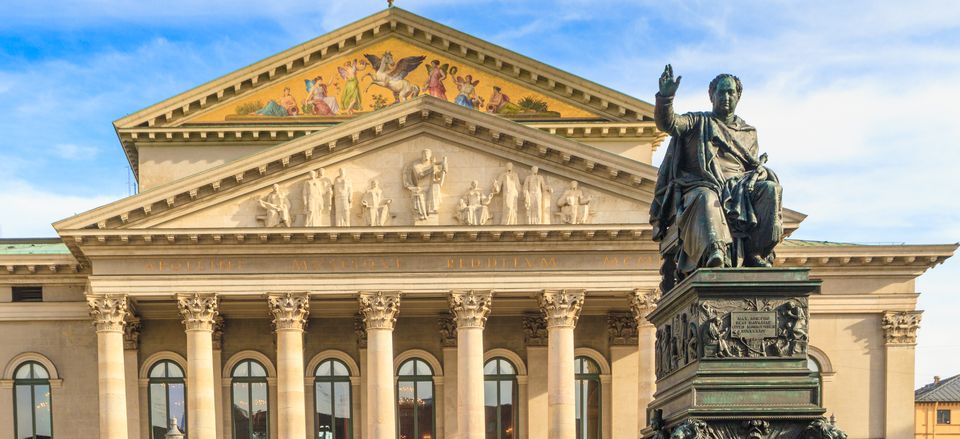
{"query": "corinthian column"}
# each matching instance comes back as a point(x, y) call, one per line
point(379, 310)
point(290, 312)
point(199, 312)
point(109, 313)
point(562, 309)
point(470, 310)
point(642, 303)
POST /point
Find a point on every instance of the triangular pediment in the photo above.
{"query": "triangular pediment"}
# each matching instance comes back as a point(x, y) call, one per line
point(553, 94)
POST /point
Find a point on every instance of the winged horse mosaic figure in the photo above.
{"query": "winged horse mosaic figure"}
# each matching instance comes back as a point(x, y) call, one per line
point(390, 74)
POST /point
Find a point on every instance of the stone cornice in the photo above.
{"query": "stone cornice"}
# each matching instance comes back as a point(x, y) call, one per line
point(34, 265)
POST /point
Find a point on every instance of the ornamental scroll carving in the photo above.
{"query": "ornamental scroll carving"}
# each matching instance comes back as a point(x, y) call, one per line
point(643, 303)
point(470, 308)
point(561, 307)
point(448, 330)
point(291, 311)
point(692, 428)
point(900, 327)
point(379, 309)
point(622, 329)
point(535, 330)
point(199, 311)
point(109, 311)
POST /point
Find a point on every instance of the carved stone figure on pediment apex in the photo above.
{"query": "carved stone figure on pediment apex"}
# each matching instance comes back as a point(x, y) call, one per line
point(424, 179)
point(536, 197)
point(574, 206)
point(278, 208)
point(507, 185)
point(473, 208)
point(376, 208)
point(317, 199)
point(342, 199)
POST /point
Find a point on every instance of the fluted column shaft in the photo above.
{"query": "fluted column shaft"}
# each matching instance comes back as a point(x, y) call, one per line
point(109, 313)
point(199, 312)
point(562, 310)
point(379, 310)
point(470, 310)
point(643, 303)
point(290, 313)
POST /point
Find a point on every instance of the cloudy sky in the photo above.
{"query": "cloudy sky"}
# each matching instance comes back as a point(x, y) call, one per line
point(855, 101)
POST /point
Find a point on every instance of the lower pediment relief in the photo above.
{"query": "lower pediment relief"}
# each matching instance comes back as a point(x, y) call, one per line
point(420, 181)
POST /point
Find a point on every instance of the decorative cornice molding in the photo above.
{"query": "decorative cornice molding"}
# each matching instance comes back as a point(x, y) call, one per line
point(900, 327)
point(109, 311)
point(622, 329)
point(470, 308)
point(561, 307)
point(642, 303)
point(379, 309)
point(199, 311)
point(448, 330)
point(291, 311)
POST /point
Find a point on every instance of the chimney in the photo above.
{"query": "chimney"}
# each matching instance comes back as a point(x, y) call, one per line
point(936, 380)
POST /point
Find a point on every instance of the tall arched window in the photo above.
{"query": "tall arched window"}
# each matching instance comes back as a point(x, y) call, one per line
point(500, 399)
point(250, 402)
point(332, 390)
point(815, 373)
point(31, 401)
point(166, 394)
point(415, 400)
point(588, 398)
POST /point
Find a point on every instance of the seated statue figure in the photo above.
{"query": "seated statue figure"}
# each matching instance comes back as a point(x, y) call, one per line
point(712, 186)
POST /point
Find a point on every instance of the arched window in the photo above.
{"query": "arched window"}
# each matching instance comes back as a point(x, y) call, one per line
point(31, 401)
point(588, 398)
point(815, 373)
point(332, 390)
point(500, 399)
point(250, 403)
point(415, 400)
point(166, 394)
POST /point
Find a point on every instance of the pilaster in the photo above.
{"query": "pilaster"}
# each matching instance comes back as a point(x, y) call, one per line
point(900, 337)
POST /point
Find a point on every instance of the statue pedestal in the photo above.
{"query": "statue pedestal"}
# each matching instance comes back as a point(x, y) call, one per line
point(731, 357)
point(432, 220)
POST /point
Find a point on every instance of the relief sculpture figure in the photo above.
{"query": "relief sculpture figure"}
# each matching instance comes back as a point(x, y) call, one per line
point(473, 208)
point(424, 179)
point(574, 206)
point(376, 209)
point(343, 199)
point(507, 185)
point(536, 197)
point(317, 199)
point(712, 185)
point(277, 207)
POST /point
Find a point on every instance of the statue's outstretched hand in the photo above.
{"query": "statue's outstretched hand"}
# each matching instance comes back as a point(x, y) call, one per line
point(668, 85)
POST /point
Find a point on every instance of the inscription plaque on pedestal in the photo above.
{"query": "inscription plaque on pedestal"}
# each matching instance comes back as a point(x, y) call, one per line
point(750, 324)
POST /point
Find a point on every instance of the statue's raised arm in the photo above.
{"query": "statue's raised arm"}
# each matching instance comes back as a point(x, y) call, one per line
point(669, 85)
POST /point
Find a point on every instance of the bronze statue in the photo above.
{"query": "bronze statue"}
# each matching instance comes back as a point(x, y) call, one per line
point(712, 185)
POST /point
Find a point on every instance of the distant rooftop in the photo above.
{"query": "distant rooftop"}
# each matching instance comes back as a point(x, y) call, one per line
point(33, 246)
point(946, 390)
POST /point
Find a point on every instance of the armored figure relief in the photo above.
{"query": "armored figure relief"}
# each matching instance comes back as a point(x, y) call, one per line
point(278, 208)
point(712, 185)
point(342, 199)
point(714, 333)
point(792, 331)
point(473, 208)
point(574, 206)
point(507, 185)
point(376, 209)
point(317, 199)
point(424, 179)
point(536, 197)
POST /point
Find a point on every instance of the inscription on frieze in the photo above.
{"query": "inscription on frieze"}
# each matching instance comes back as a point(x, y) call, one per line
point(747, 324)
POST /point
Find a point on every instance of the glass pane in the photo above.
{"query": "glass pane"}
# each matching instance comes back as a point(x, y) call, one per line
point(341, 397)
point(241, 410)
point(23, 372)
point(580, 403)
point(173, 370)
point(41, 404)
point(506, 409)
point(490, 408)
point(506, 368)
point(406, 368)
point(257, 370)
point(324, 403)
point(424, 410)
point(490, 393)
point(405, 404)
point(157, 371)
point(178, 403)
point(490, 368)
point(590, 367)
point(592, 389)
point(323, 369)
point(24, 411)
point(242, 370)
point(158, 409)
point(339, 369)
point(40, 372)
point(812, 365)
point(260, 411)
point(423, 368)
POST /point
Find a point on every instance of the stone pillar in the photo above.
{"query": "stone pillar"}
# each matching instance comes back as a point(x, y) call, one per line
point(900, 333)
point(290, 313)
point(218, 325)
point(562, 309)
point(131, 351)
point(535, 404)
point(360, 421)
point(643, 303)
point(379, 310)
point(448, 342)
point(109, 314)
point(623, 408)
point(470, 310)
point(199, 312)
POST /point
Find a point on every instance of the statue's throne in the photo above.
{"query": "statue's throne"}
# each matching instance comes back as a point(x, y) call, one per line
point(669, 251)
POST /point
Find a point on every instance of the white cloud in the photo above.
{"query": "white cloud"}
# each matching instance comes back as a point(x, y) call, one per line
point(29, 210)
point(72, 151)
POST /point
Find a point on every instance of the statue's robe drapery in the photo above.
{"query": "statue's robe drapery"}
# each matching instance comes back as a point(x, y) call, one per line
point(704, 187)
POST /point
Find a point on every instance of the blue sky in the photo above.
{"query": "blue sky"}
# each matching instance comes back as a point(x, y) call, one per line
point(855, 101)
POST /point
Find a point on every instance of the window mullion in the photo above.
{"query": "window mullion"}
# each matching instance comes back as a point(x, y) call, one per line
point(33, 407)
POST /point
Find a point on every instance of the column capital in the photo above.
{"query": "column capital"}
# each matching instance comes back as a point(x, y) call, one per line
point(642, 303)
point(470, 308)
point(109, 311)
point(622, 329)
point(291, 311)
point(218, 325)
point(379, 308)
point(900, 327)
point(448, 330)
point(131, 332)
point(561, 307)
point(199, 311)
point(360, 328)
point(534, 329)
